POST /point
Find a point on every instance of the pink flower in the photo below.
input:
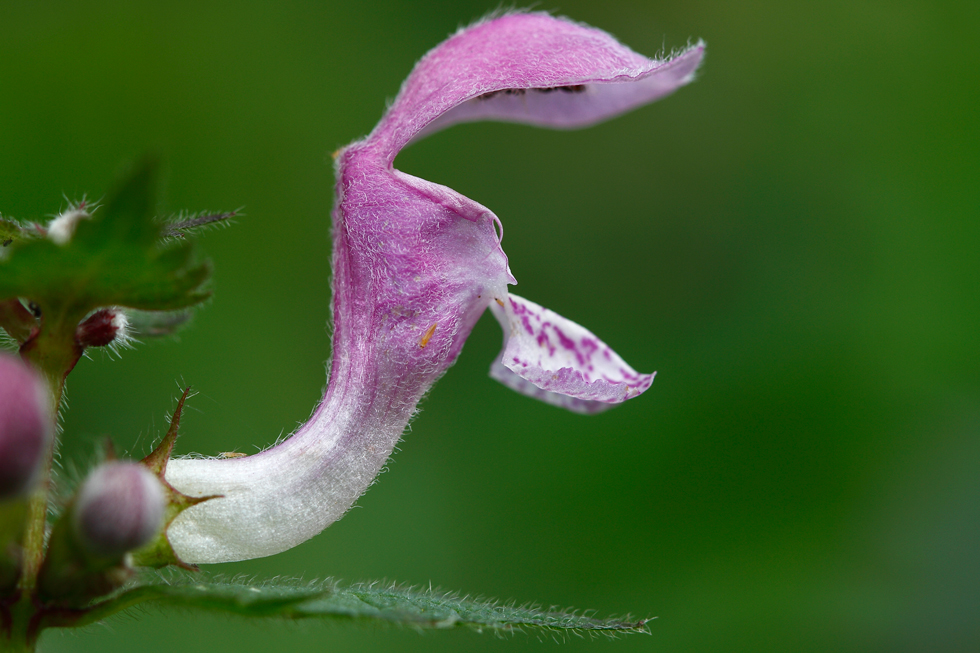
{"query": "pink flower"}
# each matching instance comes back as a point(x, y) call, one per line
point(415, 264)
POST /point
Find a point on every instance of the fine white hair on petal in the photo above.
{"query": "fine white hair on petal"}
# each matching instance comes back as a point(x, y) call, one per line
point(271, 501)
point(576, 102)
point(530, 68)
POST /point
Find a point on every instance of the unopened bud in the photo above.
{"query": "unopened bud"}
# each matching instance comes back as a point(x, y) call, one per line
point(103, 327)
point(119, 508)
point(62, 228)
point(25, 426)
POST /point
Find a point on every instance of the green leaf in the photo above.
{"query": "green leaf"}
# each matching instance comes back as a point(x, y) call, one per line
point(157, 324)
point(186, 225)
point(10, 230)
point(115, 258)
point(378, 603)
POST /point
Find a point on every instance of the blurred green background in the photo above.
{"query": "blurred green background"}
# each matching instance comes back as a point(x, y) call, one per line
point(792, 242)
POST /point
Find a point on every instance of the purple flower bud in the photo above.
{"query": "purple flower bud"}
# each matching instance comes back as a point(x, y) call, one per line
point(25, 425)
point(103, 327)
point(118, 508)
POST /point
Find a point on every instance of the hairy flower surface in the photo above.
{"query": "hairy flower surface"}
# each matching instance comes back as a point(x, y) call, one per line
point(414, 266)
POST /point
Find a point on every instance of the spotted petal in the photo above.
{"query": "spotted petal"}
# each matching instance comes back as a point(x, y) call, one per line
point(551, 358)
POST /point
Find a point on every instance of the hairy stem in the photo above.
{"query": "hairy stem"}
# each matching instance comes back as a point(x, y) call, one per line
point(53, 352)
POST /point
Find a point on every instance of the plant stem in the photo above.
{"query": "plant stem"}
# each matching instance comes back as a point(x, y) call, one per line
point(53, 353)
point(23, 635)
point(23, 614)
point(37, 510)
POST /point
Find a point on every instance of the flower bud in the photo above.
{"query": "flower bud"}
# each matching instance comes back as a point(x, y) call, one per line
point(119, 508)
point(103, 327)
point(25, 426)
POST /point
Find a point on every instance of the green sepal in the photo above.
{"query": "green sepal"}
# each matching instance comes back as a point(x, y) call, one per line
point(159, 552)
point(70, 575)
point(156, 460)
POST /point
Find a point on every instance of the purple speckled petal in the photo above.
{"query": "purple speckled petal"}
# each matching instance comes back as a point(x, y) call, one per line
point(529, 68)
point(551, 358)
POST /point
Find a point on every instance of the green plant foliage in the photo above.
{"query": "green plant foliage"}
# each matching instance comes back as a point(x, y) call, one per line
point(370, 603)
point(10, 231)
point(115, 258)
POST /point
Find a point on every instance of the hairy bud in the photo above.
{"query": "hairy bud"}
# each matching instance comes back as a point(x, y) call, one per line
point(103, 327)
point(119, 508)
point(25, 426)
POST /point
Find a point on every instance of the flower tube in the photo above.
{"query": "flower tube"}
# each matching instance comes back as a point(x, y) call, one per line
point(415, 264)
